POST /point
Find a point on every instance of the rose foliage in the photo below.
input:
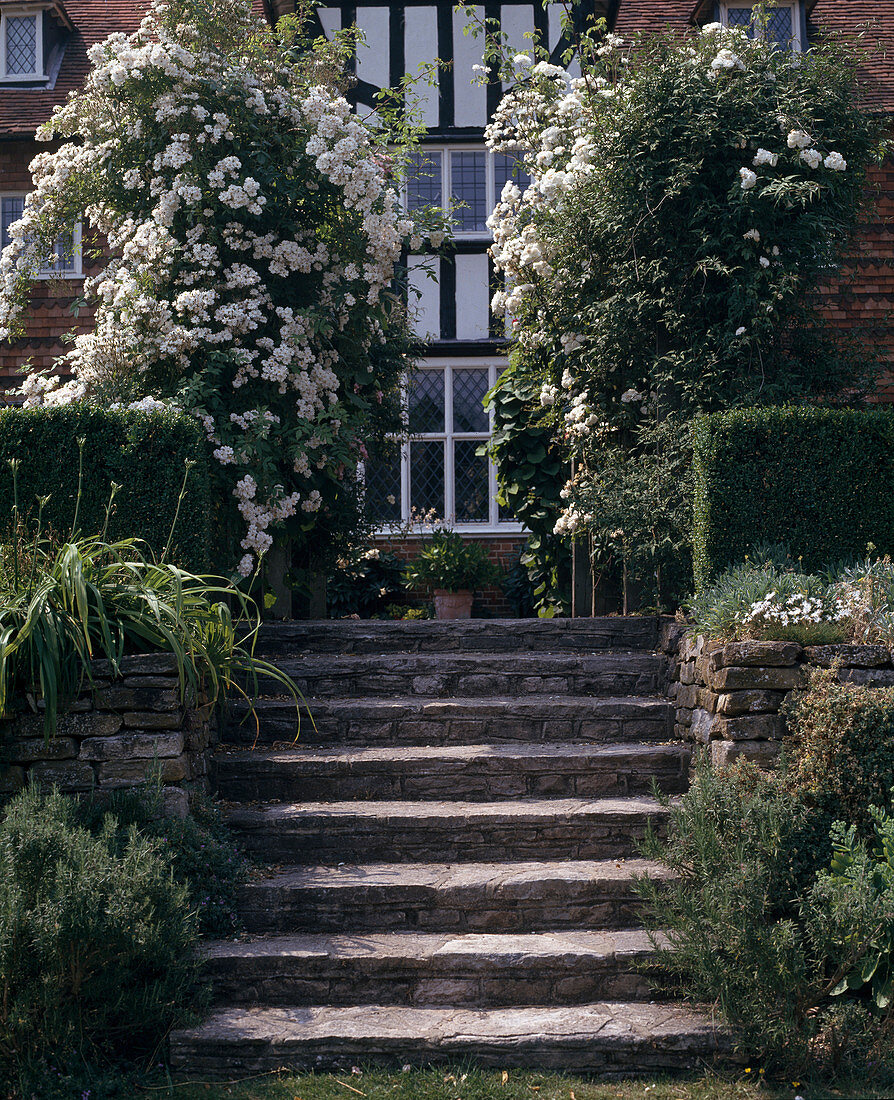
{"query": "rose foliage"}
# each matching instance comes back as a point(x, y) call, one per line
point(688, 198)
point(253, 227)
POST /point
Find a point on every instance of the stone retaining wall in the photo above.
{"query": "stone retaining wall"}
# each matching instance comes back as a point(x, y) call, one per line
point(128, 729)
point(728, 695)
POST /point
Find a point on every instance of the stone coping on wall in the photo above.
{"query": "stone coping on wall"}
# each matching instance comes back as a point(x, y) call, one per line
point(728, 695)
point(128, 729)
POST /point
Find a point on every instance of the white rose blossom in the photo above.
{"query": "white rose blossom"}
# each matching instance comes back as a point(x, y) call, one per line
point(196, 264)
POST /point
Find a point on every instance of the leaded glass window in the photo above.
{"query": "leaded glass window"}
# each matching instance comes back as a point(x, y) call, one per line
point(467, 181)
point(436, 474)
point(20, 40)
point(781, 25)
point(66, 261)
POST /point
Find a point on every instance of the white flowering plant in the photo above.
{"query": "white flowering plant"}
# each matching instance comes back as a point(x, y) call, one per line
point(768, 598)
point(254, 232)
point(688, 197)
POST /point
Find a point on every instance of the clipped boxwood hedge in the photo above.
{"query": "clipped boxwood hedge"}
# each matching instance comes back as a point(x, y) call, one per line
point(819, 480)
point(143, 452)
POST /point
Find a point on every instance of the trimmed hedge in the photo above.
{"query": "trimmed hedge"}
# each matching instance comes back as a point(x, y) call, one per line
point(819, 480)
point(145, 453)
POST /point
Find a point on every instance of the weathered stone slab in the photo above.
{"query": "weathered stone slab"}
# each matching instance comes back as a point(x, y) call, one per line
point(153, 720)
point(868, 677)
point(749, 702)
point(131, 773)
point(754, 727)
point(850, 656)
point(27, 750)
point(702, 725)
point(91, 724)
point(738, 678)
point(122, 698)
point(762, 753)
point(751, 654)
point(67, 775)
point(133, 746)
point(598, 1037)
point(148, 664)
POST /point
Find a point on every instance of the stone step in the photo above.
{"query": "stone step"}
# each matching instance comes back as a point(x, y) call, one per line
point(432, 968)
point(417, 720)
point(607, 1037)
point(458, 636)
point(439, 897)
point(451, 675)
point(408, 832)
point(465, 772)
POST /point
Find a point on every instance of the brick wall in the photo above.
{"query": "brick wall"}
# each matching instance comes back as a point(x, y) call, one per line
point(863, 299)
point(501, 549)
point(49, 314)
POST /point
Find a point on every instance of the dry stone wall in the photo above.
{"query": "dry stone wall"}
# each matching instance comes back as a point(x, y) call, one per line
point(128, 729)
point(728, 695)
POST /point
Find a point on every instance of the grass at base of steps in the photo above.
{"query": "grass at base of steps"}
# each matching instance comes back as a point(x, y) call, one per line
point(458, 1083)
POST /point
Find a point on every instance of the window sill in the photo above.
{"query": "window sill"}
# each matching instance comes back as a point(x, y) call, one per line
point(483, 530)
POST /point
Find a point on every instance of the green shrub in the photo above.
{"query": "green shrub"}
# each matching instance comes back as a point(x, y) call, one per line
point(97, 942)
point(841, 743)
point(751, 928)
point(821, 480)
point(365, 584)
point(859, 884)
point(143, 452)
point(448, 561)
point(531, 469)
point(204, 856)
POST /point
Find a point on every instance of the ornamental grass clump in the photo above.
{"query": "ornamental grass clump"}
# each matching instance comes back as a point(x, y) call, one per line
point(64, 604)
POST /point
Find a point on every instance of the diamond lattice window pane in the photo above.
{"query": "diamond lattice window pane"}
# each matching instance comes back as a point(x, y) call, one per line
point(427, 480)
point(11, 209)
point(470, 481)
point(468, 191)
point(740, 17)
point(469, 388)
point(426, 399)
point(424, 180)
point(779, 27)
point(21, 45)
point(508, 168)
point(383, 483)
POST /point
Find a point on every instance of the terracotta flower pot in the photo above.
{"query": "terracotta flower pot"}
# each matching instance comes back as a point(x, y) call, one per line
point(453, 605)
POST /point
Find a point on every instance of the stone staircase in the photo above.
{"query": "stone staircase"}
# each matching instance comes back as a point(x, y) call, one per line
point(453, 844)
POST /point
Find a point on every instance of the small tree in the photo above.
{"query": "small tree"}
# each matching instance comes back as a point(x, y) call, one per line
point(688, 199)
point(254, 230)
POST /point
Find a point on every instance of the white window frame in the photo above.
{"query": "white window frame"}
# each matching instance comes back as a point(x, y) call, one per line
point(490, 181)
point(77, 269)
point(19, 13)
point(493, 525)
point(793, 5)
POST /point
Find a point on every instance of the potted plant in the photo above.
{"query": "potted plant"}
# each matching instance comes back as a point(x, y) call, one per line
point(453, 569)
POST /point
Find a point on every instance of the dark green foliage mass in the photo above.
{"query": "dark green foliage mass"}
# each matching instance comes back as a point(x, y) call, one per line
point(819, 480)
point(145, 453)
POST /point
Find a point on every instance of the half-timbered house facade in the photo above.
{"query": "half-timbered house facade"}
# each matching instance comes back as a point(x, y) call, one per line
point(43, 55)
